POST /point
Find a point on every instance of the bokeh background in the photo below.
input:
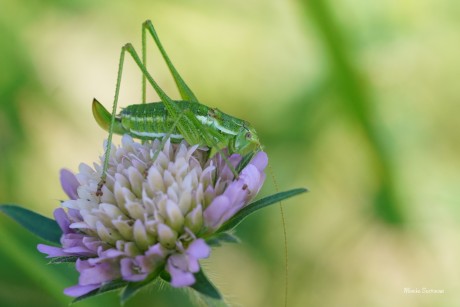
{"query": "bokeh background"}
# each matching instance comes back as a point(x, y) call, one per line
point(356, 100)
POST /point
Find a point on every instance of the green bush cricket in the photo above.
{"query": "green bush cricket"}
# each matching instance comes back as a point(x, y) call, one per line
point(178, 120)
point(186, 119)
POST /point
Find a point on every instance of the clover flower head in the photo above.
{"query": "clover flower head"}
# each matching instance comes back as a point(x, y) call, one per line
point(158, 207)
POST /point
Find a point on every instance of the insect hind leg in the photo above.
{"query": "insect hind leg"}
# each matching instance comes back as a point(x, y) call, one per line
point(185, 92)
point(188, 125)
point(184, 125)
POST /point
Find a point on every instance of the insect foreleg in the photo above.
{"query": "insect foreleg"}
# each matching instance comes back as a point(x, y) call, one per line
point(144, 61)
point(112, 123)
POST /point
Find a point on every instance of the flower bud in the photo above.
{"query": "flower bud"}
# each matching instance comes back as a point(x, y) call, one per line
point(106, 234)
point(194, 220)
point(174, 216)
point(166, 236)
point(143, 241)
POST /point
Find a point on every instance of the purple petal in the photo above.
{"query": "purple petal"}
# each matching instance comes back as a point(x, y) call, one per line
point(260, 160)
point(214, 212)
point(179, 261)
point(234, 159)
point(153, 257)
point(199, 249)
point(236, 192)
point(76, 291)
point(62, 219)
point(97, 274)
point(81, 265)
point(193, 264)
point(74, 215)
point(110, 253)
point(250, 176)
point(180, 277)
point(130, 270)
point(156, 250)
point(226, 173)
point(145, 264)
point(69, 183)
point(72, 239)
point(92, 243)
point(78, 251)
point(261, 182)
point(52, 251)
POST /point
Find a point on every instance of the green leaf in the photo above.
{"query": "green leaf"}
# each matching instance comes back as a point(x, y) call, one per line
point(204, 286)
point(257, 205)
point(224, 237)
point(134, 287)
point(165, 276)
point(107, 287)
point(39, 225)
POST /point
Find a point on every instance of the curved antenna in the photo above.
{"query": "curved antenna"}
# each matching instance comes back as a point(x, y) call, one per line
point(283, 222)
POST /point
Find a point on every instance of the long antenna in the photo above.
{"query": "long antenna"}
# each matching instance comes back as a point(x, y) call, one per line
point(283, 222)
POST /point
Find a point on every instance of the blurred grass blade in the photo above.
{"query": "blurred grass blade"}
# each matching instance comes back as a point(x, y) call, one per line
point(39, 225)
point(356, 98)
point(257, 205)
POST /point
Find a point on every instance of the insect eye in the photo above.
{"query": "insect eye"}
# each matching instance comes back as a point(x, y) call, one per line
point(248, 135)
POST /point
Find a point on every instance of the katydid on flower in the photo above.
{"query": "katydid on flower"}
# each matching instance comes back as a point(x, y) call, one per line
point(166, 202)
point(178, 120)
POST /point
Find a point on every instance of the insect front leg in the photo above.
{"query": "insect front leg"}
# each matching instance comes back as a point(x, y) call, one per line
point(112, 123)
point(144, 62)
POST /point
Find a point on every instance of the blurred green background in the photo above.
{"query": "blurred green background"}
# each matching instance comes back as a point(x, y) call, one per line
point(356, 100)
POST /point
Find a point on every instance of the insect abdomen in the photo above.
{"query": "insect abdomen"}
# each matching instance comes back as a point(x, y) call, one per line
point(152, 120)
